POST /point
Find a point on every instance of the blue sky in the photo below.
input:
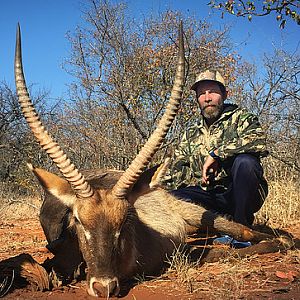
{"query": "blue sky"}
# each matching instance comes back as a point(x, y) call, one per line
point(44, 24)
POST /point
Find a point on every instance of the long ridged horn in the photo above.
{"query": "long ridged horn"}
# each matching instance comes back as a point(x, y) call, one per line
point(133, 172)
point(68, 170)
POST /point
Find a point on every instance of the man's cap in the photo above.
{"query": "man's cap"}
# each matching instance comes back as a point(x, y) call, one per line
point(209, 75)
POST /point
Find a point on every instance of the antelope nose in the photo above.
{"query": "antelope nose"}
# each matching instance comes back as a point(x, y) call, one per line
point(111, 288)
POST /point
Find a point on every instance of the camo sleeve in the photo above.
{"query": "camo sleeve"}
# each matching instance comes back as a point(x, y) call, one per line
point(250, 138)
point(185, 169)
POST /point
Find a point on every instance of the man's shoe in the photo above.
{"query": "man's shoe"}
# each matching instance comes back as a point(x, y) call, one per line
point(228, 240)
point(223, 240)
point(238, 244)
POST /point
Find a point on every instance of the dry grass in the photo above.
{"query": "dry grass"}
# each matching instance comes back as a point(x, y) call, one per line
point(181, 265)
point(230, 278)
point(19, 207)
point(222, 280)
point(20, 210)
point(282, 206)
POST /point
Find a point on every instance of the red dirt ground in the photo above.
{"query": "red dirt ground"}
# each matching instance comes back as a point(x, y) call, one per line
point(269, 276)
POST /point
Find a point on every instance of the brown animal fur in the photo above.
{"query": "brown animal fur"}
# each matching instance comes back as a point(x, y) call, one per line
point(144, 233)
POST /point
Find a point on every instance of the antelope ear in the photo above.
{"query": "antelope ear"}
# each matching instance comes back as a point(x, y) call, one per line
point(160, 173)
point(55, 185)
point(148, 180)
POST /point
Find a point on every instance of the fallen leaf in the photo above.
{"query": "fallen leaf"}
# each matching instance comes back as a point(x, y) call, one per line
point(290, 275)
point(294, 274)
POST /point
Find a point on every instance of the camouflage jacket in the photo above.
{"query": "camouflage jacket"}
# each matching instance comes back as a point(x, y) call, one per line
point(236, 131)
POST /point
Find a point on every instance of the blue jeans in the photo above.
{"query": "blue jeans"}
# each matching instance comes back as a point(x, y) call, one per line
point(244, 197)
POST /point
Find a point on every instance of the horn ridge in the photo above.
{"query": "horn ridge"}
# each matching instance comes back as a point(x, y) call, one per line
point(68, 169)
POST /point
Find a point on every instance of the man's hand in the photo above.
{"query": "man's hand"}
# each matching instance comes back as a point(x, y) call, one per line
point(210, 168)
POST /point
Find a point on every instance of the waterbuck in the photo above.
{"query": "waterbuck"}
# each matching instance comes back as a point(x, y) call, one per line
point(123, 223)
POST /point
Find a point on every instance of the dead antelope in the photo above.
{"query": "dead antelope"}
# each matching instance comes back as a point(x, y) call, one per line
point(124, 223)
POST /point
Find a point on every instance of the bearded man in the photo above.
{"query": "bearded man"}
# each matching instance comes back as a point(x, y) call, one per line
point(217, 163)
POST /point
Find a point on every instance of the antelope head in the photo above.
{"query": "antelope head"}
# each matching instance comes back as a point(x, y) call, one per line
point(102, 217)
